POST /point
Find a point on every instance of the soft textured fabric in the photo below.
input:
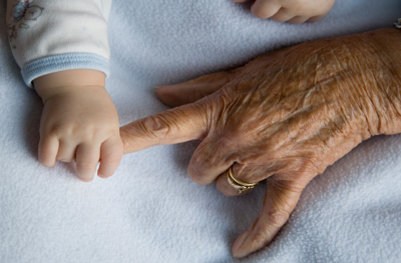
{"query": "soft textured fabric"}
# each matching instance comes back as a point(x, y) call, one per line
point(150, 211)
point(61, 62)
point(38, 29)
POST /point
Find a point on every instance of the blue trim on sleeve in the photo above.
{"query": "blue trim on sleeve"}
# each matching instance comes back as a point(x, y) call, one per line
point(56, 63)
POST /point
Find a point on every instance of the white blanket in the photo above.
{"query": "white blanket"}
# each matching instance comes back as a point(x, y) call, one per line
point(150, 211)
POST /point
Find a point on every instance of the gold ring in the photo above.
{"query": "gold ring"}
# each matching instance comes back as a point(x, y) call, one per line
point(238, 184)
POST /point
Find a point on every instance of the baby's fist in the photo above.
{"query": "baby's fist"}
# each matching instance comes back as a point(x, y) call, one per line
point(292, 11)
point(79, 123)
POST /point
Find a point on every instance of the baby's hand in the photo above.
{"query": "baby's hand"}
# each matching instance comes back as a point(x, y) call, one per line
point(292, 11)
point(79, 122)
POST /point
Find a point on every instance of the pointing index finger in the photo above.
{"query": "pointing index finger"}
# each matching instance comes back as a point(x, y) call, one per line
point(185, 123)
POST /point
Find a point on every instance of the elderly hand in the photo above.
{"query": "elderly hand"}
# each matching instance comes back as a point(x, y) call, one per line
point(284, 118)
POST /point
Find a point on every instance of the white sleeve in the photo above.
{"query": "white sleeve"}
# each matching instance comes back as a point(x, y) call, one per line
point(48, 36)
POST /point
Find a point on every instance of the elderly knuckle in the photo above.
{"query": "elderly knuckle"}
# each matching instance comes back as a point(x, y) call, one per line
point(160, 122)
point(239, 131)
point(195, 175)
point(308, 167)
point(277, 218)
point(260, 239)
point(156, 126)
point(232, 93)
point(233, 134)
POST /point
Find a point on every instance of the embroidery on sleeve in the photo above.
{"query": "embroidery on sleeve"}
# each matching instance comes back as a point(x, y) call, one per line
point(23, 14)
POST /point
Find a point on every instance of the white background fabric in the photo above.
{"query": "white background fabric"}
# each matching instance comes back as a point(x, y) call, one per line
point(150, 211)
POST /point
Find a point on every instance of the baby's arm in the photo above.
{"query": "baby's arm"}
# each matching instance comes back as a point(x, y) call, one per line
point(79, 121)
point(62, 48)
point(292, 11)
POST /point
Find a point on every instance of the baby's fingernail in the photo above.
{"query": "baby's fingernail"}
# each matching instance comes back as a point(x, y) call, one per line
point(237, 251)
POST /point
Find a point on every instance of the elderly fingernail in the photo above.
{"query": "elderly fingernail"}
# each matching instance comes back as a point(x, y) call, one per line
point(238, 252)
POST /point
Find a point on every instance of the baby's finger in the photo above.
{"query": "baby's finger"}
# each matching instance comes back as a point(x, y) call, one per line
point(282, 16)
point(111, 152)
point(315, 18)
point(48, 147)
point(87, 158)
point(66, 151)
point(298, 20)
point(265, 8)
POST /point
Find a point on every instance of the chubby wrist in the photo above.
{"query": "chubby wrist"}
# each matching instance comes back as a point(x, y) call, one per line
point(50, 85)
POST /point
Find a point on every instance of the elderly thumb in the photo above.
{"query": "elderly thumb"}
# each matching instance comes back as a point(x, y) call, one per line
point(193, 90)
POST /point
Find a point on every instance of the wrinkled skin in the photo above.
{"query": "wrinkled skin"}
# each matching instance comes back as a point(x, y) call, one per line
point(284, 118)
